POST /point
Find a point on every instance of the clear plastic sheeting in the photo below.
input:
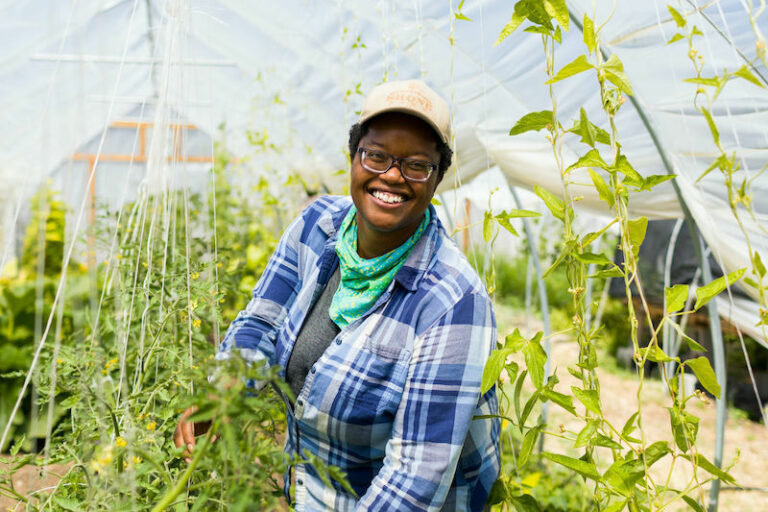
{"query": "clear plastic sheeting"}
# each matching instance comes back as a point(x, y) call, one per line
point(291, 76)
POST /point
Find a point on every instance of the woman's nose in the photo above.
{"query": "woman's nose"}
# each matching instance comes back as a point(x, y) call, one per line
point(394, 173)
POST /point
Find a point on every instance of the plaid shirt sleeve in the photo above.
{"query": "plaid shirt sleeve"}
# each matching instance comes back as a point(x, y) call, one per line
point(254, 330)
point(440, 398)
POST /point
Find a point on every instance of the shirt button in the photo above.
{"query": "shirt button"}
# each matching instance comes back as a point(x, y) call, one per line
point(300, 481)
point(313, 370)
point(299, 402)
point(338, 341)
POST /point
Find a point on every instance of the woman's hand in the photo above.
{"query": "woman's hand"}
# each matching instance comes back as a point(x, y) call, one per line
point(186, 430)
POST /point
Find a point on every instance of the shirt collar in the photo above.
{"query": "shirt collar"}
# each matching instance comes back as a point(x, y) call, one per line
point(417, 263)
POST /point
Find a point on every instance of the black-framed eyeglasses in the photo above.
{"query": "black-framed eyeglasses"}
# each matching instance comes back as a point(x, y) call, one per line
point(379, 162)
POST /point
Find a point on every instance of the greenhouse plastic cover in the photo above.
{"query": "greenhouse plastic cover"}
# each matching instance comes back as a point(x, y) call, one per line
point(294, 72)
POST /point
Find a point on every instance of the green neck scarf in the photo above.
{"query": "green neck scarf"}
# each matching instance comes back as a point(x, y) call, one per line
point(362, 280)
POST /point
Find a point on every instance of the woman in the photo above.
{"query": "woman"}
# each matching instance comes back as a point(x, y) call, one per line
point(382, 326)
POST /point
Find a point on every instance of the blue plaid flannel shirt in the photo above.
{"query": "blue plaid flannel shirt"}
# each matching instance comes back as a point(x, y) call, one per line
point(391, 400)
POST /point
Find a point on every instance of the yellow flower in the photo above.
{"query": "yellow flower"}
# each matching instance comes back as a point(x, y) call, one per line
point(120, 442)
point(219, 265)
point(136, 460)
point(102, 459)
point(195, 275)
point(119, 256)
point(151, 425)
point(109, 364)
point(58, 360)
point(196, 322)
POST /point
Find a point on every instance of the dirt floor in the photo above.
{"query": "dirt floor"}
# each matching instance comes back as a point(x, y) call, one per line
point(29, 479)
point(745, 441)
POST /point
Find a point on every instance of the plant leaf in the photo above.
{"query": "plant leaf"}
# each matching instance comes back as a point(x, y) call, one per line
point(675, 297)
point(588, 131)
point(655, 452)
point(582, 467)
point(606, 442)
point(614, 72)
point(525, 503)
point(712, 125)
point(706, 375)
point(656, 179)
point(693, 503)
point(705, 293)
point(616, 507)
point(631, 176)
point(746, 74)
point(535, 359)
point(586, 434)
point(576, 66)
point(623, 475)
point(692, 344)
point(555, 205)
point(590, 398)
point(707, 466)
point(758, 265)
point(564, 401)
point(533, 121)
point(675, 38)
point(636, 234)
point(487, 226)
point(597, 259)
point(711, 82)
point(514, 214)
point(589, 34)
point(602, 188)
point(515, 341)
point(591, 159)
point(529, 440)
point(679, 19)
point(509, 27)
point(493, 368)
point(685, 427)
point(558, 10)
point(629, 426)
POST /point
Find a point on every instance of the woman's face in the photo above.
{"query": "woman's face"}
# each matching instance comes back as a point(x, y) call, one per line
point(389, 207)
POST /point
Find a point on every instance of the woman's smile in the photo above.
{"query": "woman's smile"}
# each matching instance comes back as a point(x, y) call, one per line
point(390, 207)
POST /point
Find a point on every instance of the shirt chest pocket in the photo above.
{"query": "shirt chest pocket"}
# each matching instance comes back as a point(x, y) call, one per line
point(372, 390)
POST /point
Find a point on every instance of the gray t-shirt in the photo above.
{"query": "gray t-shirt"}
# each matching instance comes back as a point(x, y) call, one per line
point(315, 336)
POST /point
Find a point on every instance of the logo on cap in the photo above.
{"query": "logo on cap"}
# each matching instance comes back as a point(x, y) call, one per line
point(412, 99)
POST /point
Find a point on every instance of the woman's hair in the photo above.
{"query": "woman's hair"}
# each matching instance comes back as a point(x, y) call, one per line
point(358, 131)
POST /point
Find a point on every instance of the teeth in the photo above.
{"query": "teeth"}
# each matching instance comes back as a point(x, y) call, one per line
point(387, 197)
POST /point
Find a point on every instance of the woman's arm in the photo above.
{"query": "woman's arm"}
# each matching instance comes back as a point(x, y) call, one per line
point(254, 331)
point(439, 400)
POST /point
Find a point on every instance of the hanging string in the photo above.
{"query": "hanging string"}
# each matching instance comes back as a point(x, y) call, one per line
point(68, 257)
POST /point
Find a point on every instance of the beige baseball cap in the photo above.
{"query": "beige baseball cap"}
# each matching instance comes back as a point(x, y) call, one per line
point(412, 97)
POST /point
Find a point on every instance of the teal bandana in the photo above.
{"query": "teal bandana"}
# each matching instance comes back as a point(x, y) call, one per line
point(362, 280)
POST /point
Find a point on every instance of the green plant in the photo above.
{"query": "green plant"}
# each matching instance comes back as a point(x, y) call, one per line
point(614, 459)
point(119, 378)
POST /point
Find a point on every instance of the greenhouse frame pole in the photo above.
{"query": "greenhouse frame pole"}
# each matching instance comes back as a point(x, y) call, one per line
point(718, 351)
point(534, 254)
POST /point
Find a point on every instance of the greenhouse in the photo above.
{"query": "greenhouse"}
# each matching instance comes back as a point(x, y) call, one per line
point(546, 227)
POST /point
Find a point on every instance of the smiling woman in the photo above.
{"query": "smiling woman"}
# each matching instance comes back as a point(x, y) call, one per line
point(389, 205)
point(382, 326)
